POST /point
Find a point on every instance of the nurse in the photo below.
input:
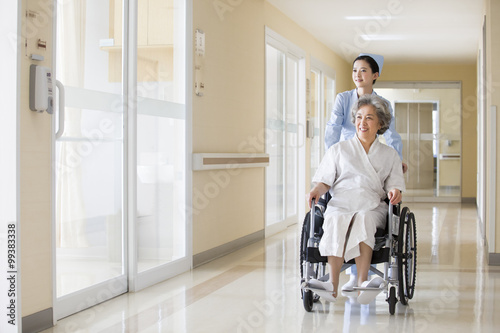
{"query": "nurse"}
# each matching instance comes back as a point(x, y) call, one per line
point(359, 173)
point(366, 69)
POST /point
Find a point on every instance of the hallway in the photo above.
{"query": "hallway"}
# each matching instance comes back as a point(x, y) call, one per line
point(256, 289)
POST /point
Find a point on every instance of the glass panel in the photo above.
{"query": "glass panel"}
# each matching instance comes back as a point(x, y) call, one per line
point(429, 122)
point(292, 137)
point(315, 114)
point(275, 141)
point(89, 155)
point(161, 124)
point(329, 92)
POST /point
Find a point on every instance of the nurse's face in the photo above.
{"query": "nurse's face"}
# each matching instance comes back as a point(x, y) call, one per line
point(362, 74)
point(367, 123)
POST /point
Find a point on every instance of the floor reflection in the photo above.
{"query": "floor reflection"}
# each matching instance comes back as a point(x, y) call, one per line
point(257, 289)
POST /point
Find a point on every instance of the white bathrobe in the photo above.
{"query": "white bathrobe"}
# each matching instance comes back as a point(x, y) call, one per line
point(359, 184)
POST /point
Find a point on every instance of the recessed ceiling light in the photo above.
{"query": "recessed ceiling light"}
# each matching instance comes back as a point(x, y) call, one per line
point(382, 37)
point(371, 17)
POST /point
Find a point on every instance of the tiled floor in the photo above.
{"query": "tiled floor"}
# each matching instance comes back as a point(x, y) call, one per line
point(256, 289)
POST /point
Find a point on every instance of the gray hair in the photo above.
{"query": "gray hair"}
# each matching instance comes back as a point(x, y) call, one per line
point(381, 107)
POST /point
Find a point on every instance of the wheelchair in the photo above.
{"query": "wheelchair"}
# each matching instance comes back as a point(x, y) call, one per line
point(395, 246)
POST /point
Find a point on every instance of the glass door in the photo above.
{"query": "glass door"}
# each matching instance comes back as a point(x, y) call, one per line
point(322, 94)
point(282, 140)
point(315, 118)
point(428, 118)
point(89, 154)
point(120, 149)
point(159, 223)
point(415, 125)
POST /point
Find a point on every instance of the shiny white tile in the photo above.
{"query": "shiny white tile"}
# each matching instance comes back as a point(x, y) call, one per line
point(256, 289)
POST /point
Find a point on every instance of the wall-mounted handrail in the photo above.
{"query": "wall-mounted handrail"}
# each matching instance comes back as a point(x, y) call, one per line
point(210, 161)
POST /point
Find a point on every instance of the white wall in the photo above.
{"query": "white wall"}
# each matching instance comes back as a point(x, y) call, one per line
point(8, 155)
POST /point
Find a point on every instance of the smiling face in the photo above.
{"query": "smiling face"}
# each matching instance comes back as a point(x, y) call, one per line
point(362, 74)
point(367, 123)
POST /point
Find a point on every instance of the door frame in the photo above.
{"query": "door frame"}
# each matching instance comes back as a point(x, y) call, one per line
point(291, 50)
point(130, 280)
point(405, 101)
point(426, 85)
point(140, 280)
point(324, 72)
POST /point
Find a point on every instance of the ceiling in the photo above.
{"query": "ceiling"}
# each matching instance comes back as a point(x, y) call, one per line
point(403, 31)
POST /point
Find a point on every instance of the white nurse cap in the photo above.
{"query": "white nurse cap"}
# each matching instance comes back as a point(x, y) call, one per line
point(378, 59)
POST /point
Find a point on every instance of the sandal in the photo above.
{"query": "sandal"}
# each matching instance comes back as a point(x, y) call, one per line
point(321, 288)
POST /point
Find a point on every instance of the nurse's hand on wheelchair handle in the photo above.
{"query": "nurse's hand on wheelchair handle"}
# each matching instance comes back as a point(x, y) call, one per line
point(394, 196)
point(405, 167)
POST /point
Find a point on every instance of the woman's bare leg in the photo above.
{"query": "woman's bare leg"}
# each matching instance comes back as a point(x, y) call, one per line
point(363, 262)
point(335, 264)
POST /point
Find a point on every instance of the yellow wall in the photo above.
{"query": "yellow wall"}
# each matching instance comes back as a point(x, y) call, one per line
point(465, 73)
point(35, 176)
point(230, 117)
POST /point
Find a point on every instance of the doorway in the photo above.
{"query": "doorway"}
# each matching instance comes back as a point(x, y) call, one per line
point(428, 116)
point(322, 98)
point(120, 149)
point(285, 71)
point(414, 122)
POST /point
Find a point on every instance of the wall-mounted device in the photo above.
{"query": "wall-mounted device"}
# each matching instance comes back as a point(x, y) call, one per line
point(199, 54)
point(40, 89)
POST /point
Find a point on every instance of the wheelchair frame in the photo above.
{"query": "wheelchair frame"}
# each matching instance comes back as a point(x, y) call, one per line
point(397, 249)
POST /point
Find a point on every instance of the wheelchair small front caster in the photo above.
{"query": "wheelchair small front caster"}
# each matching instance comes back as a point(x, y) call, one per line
point(392, 300)
point(307, 299)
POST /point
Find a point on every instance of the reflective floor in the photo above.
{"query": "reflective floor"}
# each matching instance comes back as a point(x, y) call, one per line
point(256, 289)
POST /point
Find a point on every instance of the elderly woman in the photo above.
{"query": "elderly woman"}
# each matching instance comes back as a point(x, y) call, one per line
point(359, 173)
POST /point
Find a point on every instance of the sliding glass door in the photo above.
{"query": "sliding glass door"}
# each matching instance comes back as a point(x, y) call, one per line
point(160, 227)
point(322, 97)
point(282, 140)
point(428, 118)
point(120, 151)
point(89, 155)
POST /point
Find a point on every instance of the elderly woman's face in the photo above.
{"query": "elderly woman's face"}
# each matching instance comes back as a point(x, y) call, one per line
point(367, 123)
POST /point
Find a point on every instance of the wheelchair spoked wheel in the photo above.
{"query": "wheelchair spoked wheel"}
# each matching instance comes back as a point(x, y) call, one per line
point(406, 256)
point(411, 256)
point(303, 247)
point(308, 296)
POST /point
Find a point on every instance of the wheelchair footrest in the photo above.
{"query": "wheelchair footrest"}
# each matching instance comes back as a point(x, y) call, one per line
point(375, 284)
point(368, 288)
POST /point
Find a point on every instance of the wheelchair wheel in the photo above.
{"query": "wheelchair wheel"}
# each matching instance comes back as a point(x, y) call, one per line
point(411, 256)
point(402, 255)
point(307, 300)
point(392, 300)
point(304, 236)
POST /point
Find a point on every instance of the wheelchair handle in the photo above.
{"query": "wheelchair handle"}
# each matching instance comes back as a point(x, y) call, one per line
point(312, 215)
